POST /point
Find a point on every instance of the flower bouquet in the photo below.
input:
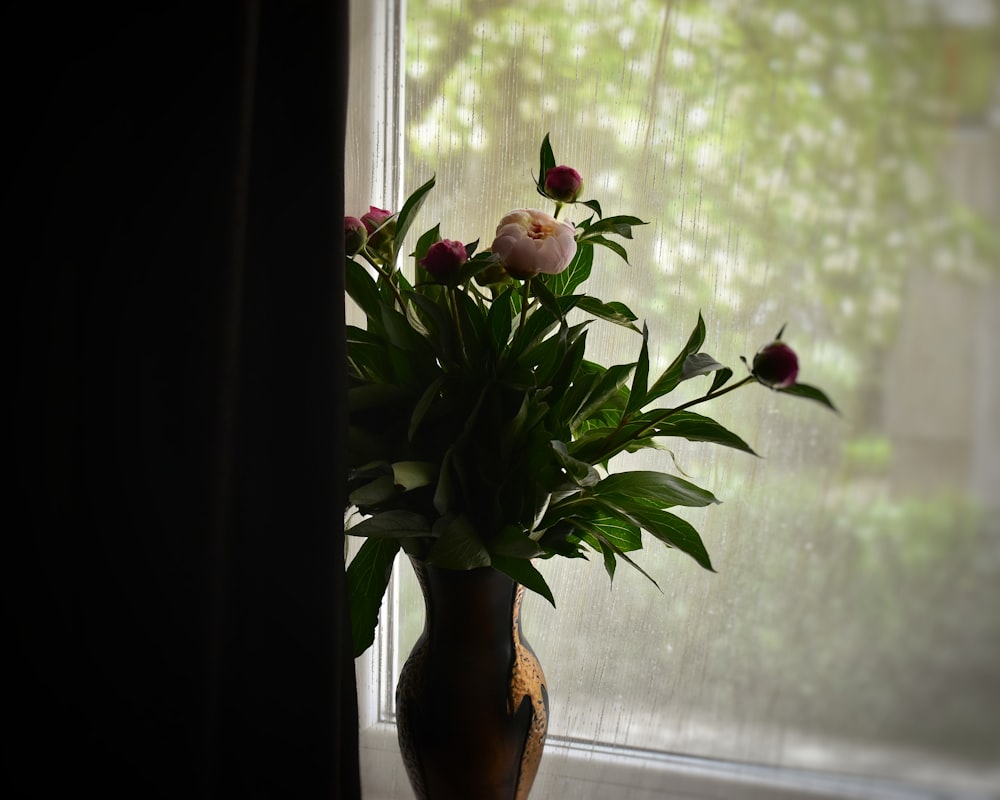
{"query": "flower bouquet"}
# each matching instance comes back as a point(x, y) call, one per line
point(480, 434)
point(479, 442)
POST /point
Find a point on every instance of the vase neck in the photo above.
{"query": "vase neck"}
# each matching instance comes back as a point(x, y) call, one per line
point(479, 606)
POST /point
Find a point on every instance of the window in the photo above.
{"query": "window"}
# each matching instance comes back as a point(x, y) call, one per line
point(833, 166)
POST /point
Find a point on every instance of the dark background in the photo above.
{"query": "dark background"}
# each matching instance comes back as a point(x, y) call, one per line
point(173, 576)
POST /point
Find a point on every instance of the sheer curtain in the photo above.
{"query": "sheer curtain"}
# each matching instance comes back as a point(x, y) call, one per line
point(833, 166)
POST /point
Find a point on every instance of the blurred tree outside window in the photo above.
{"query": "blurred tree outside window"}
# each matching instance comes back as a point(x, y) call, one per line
point(833, 166)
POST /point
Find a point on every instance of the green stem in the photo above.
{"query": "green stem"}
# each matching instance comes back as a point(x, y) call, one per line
point(617, 446)
point(524, 304)
point(713, 395)
point(388, 278)
point(458, 322)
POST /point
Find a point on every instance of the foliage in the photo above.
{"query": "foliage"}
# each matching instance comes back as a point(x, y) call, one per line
point(806, 136)
point(480, 432)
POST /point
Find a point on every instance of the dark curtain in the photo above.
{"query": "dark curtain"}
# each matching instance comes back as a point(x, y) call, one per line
point(173, 573)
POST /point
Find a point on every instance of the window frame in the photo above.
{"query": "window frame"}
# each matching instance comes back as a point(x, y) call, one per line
point(569, 768)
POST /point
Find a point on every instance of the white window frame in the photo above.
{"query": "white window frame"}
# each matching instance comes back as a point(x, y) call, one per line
point(569, 768)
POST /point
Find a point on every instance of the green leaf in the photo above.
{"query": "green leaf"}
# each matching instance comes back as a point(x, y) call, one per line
point(697, 428)
point(672, 531)
point(547, 299)
point(378, 491)
point(673, 374)
point(540, 323)
point(810, 393)
point(611, 245)
point(423, 406)
point(606, 395)
point(561, 540)
point(615, 247)
point(435, 321)
point(655, 487)
point(514, 427)
point(396, 524)
point(539, 362)
point(414, 474)
point(720, 379)
point(445, 493)
point(401, 334)
point(500, 318)
point(476, 264)
point(699, 364)
point(623, 534)
point(605, 542)
point(618, 226)
point(458, 545)
point(593, 205)
point(367, 578)
point(560, 378)
point(356, 334)
point(615, 312)
point(472, 318)
point(546, 161)
point(610, 560)
point(585, 381)
point(582, 473)
point(513, 542)
point(524, 572)
point(370, 362)
point(409, 212)
point(637, 394)
point(424, 244)
point(404, 365)
point(362, 289)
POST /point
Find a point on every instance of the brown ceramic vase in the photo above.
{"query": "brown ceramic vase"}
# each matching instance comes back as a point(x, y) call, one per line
point(471, 702)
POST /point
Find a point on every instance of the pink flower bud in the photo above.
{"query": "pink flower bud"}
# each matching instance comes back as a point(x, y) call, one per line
point(563, 184)
point(776, 365)
point(355, 235)
point(375, 217)
point(444, 259)
point(529, 242)
point(381, 227)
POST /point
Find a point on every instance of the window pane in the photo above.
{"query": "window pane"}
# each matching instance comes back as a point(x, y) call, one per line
point(833, 166)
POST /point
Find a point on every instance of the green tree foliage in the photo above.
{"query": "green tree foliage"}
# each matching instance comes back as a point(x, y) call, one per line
point(800, 135)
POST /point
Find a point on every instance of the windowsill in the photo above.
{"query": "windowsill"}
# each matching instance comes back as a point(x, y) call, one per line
point(583, 771)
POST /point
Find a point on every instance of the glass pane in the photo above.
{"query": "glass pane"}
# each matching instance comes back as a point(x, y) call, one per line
point(833, 166)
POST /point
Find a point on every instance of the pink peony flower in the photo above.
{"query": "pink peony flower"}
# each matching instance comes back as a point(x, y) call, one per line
point(444, 259)
point(776, 365)
point(563, 184)
point(529, 242)
point(355, 235)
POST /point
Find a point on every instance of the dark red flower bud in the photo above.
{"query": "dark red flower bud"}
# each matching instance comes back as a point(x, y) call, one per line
point(776, 365)
point(444, 259)
point(563, 184)
point(381, 227)
point(375, 217)
point(355, 235)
